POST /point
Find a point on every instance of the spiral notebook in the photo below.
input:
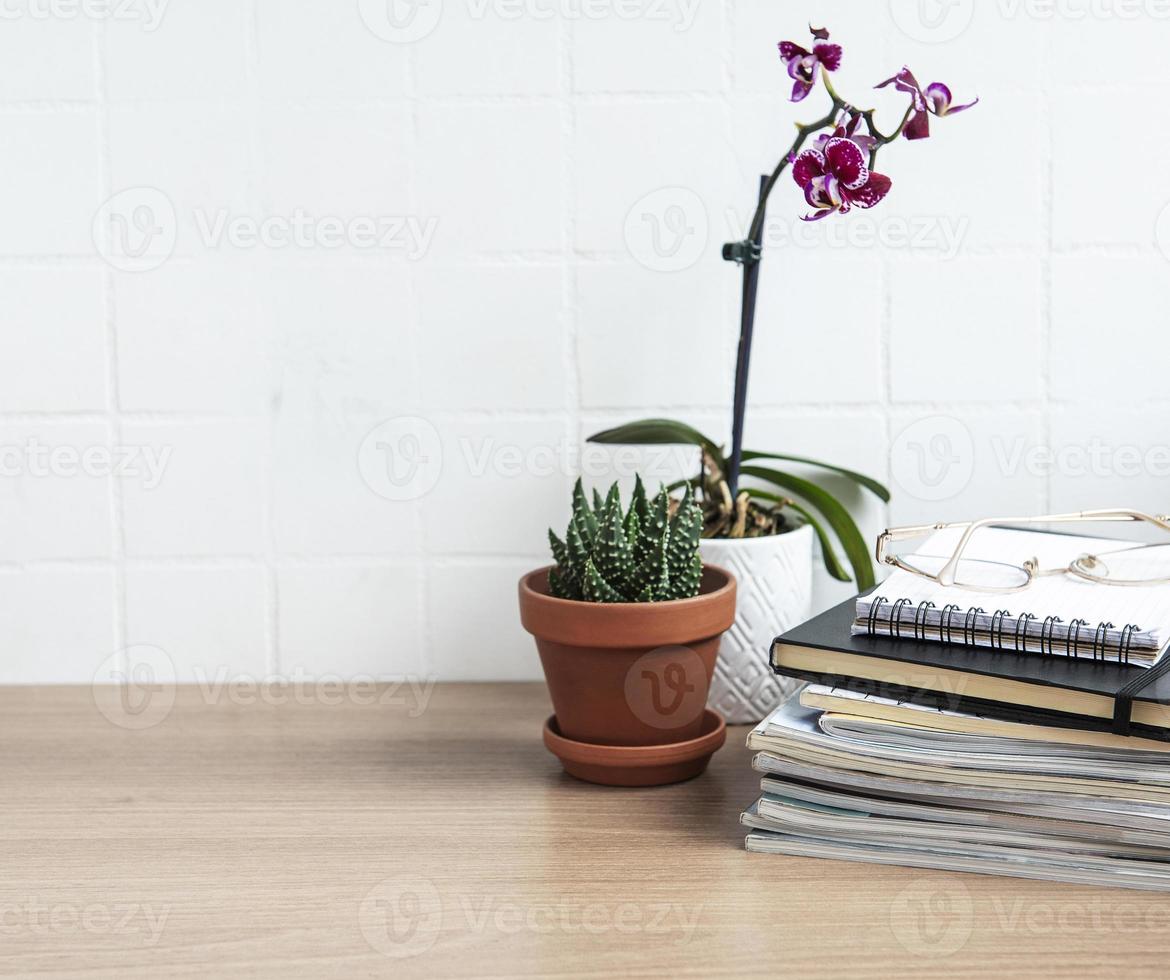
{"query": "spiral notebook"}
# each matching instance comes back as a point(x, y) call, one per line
point(1059, 615)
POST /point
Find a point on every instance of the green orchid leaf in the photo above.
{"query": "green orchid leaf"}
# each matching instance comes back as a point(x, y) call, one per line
point(838, 517)
point(866, 481)
point(832, 563)
point(648, 432)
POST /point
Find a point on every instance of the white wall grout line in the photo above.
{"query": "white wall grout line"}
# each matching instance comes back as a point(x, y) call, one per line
point(263, 261)
point(113, 387)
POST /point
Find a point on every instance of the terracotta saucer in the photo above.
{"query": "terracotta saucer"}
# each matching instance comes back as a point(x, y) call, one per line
point(637, 765)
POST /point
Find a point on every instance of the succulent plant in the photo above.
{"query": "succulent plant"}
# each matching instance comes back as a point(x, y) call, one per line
point(649, 553)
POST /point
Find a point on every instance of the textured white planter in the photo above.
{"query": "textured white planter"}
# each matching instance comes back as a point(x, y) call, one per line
point(774, 593)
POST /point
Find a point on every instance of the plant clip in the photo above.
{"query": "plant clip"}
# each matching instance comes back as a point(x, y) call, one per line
point(742, 252)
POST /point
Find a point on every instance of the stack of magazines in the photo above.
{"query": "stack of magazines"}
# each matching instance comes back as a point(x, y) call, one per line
point(997, 750)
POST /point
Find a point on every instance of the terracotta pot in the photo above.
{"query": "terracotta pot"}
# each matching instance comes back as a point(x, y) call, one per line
point(629, 673)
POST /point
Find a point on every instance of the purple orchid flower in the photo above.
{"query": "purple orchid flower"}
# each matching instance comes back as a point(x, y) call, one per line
point(846, 127)
point(935, 99)
point(918, 126)
point(836, 178)
point(938, 100)
point(804, 65)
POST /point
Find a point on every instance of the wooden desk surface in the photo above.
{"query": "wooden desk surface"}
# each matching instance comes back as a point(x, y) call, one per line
point(348, 840)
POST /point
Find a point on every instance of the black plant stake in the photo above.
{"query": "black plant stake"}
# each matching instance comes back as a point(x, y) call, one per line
point(747, 253)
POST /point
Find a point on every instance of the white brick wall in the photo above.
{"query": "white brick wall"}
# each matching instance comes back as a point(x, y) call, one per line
point(456, 253)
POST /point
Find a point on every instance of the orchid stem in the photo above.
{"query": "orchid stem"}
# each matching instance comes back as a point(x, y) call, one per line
point(803, 133)
point(879, 137)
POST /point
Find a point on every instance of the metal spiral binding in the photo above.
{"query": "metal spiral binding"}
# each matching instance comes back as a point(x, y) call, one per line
point(971, 623)
point(920, 618)
point(997, 627)
point(1126, 639)
point(1046, 632)
point(1099, 636)
point(1020, 638)
point(1021, 632)
point(945, 624)
point(896, 617)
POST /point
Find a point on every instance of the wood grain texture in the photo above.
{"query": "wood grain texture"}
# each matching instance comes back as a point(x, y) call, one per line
point(353, 840)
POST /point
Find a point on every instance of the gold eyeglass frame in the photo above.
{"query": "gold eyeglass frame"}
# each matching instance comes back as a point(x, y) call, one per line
point(1081, 567)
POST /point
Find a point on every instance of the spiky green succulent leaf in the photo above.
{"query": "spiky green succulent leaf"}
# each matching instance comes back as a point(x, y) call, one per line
point(560, 587)
point(652, 570)
point(613, 555)
point(639, 504)
point(598, 503)
point(578, 547)
point(583, 514)
point(655, 525)
point(685, 528)
point(686, 583)
point(597, 589)
point(560, 550)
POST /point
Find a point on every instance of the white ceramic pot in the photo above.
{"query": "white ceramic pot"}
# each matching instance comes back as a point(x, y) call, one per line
point(774, 593)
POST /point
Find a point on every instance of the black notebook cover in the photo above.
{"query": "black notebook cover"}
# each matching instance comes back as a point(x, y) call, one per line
point(831, 631)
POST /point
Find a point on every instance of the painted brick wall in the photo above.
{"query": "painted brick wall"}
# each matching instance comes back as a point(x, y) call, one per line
point(306, 306)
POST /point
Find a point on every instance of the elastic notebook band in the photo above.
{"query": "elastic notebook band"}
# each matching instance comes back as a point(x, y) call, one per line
point(1123, 699)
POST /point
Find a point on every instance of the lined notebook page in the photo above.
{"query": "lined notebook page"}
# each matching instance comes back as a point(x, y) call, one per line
point(1066, 596)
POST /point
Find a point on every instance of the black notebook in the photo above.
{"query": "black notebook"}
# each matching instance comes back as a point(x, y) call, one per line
point(1036, 686)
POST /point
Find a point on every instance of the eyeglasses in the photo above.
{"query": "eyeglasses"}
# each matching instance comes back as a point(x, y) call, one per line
point(1141, 565)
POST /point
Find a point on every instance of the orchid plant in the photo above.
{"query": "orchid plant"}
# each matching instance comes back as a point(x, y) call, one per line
point(836, 173)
